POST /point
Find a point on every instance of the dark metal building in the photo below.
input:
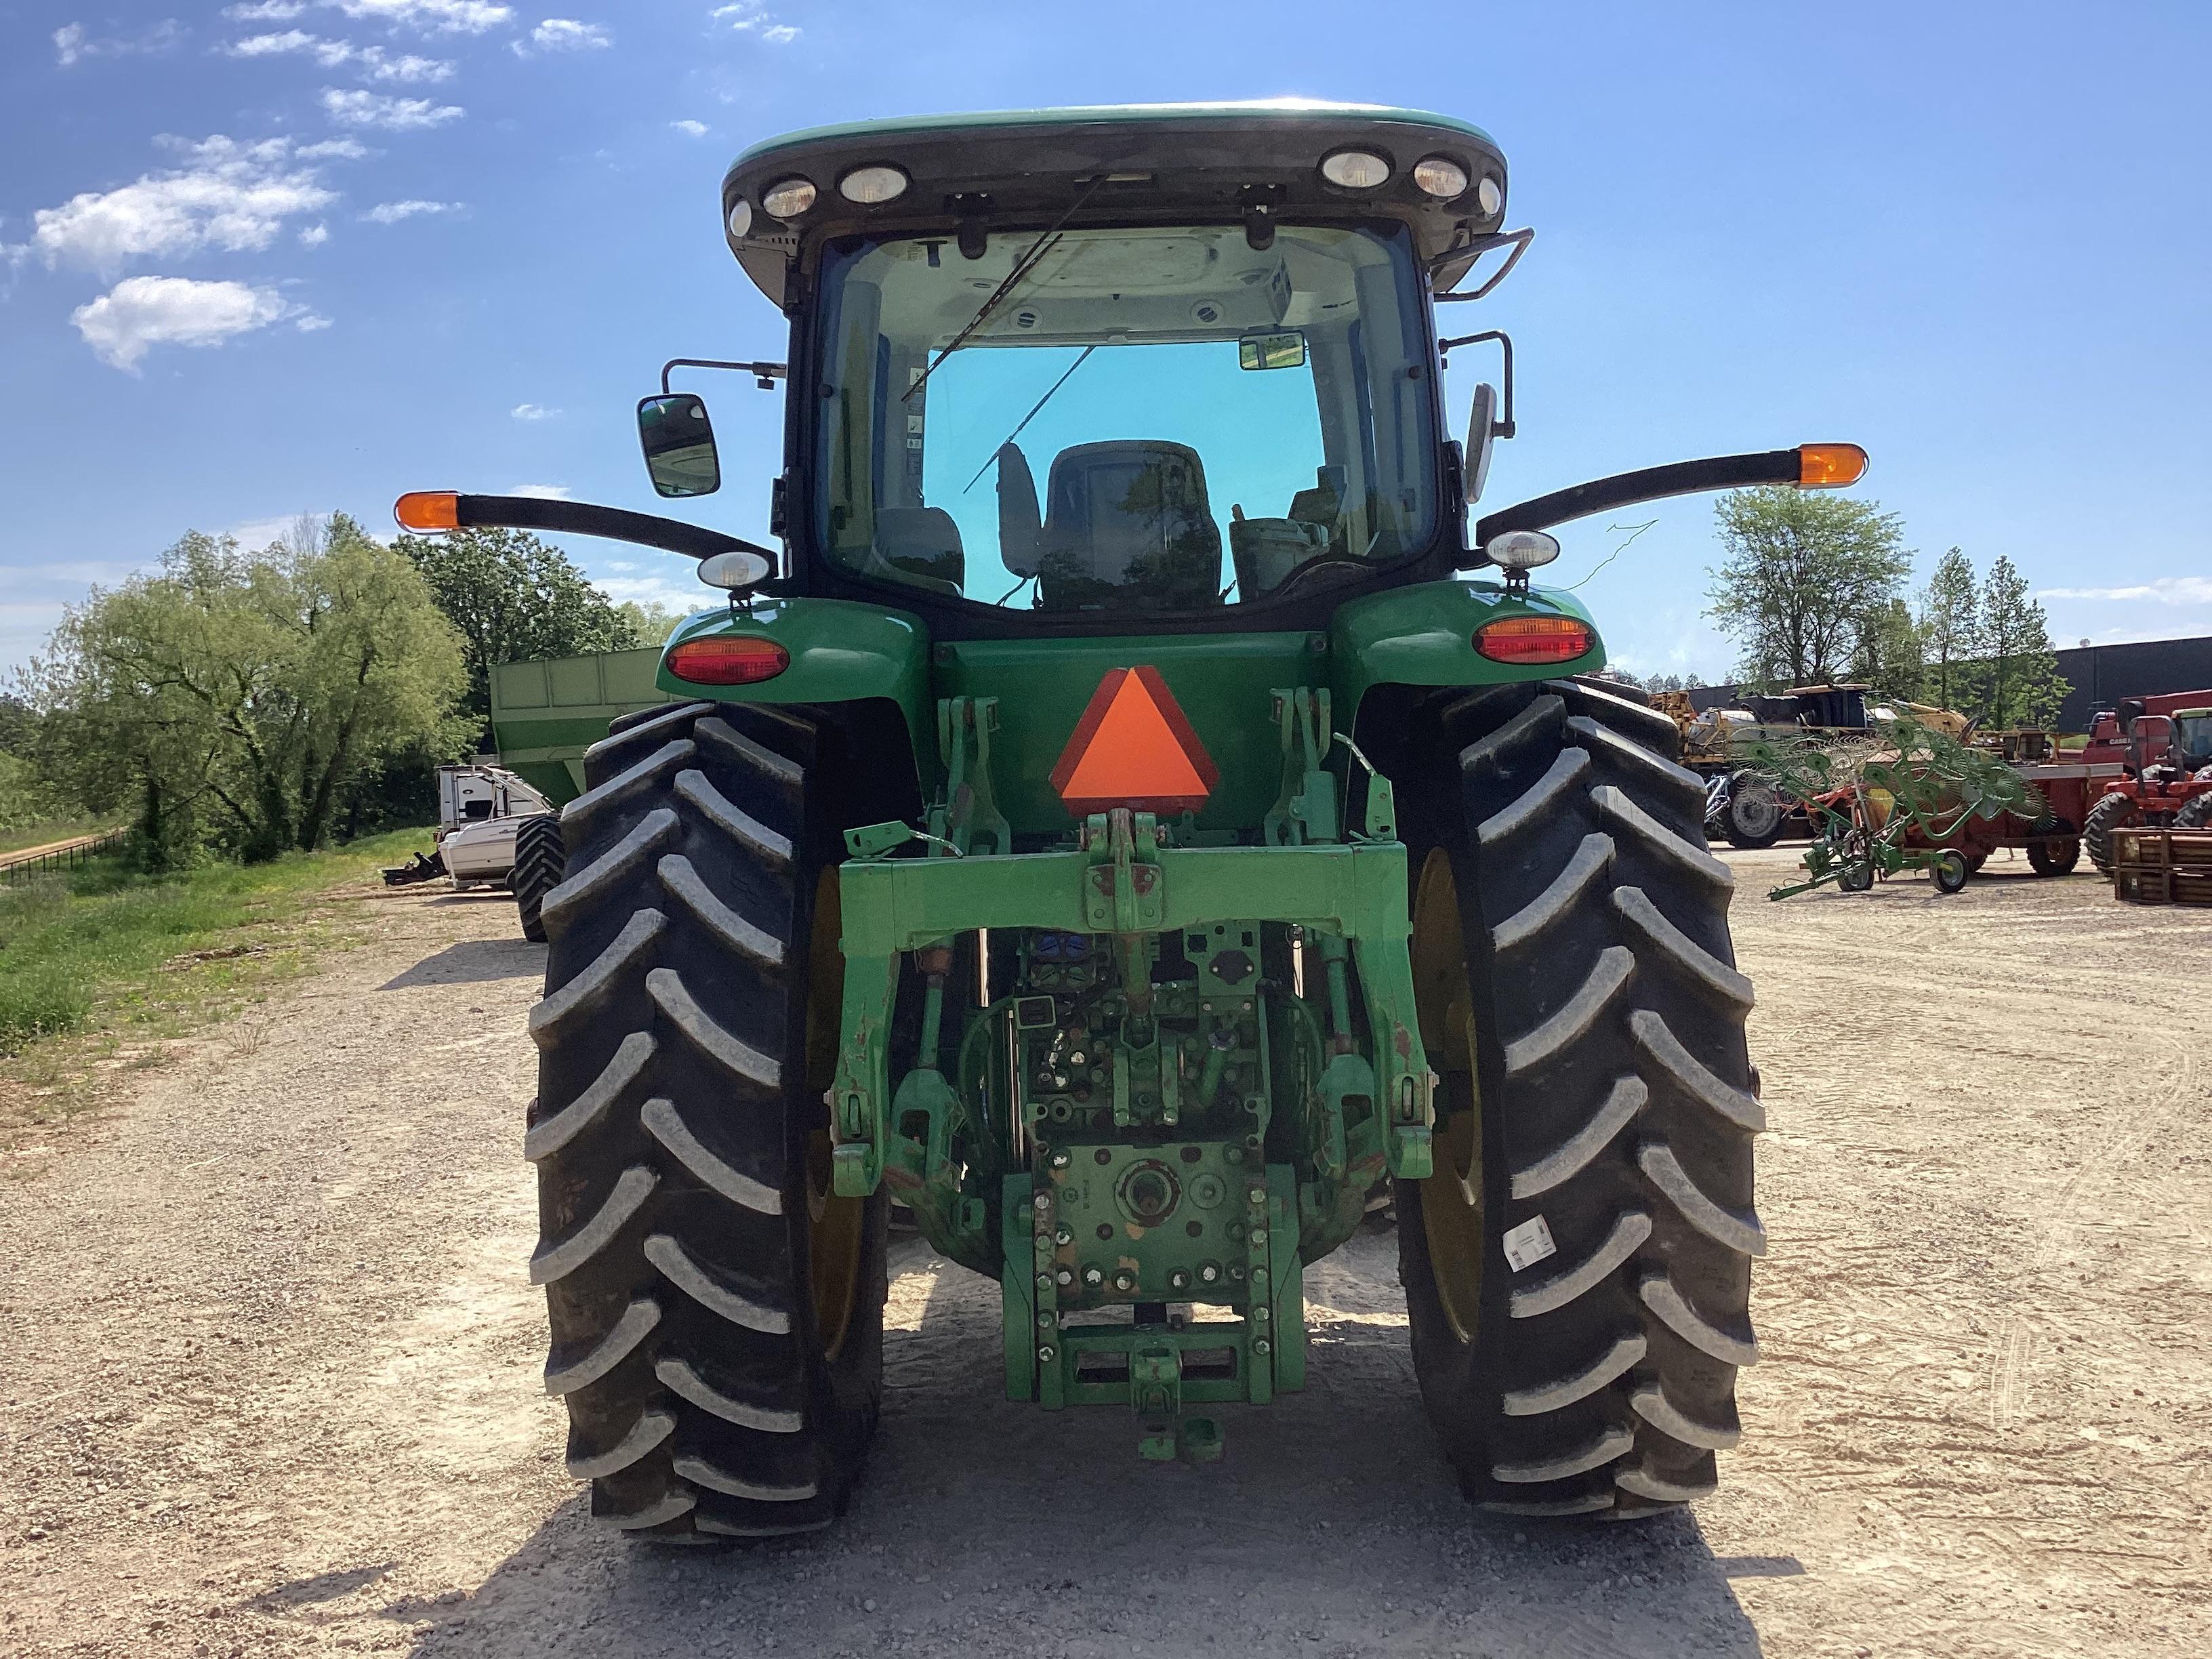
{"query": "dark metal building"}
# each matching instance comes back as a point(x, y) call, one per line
point(2099, 674)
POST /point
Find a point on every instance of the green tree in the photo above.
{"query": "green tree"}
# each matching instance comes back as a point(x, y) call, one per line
point(1950, 628)
point(2017, 681)
point(1889, 654)
point(246, 694)
point(649, 623)
point(1803, 572)
point(513, 598)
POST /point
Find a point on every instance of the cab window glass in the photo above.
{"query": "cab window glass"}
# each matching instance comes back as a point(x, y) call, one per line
point(1148, 420)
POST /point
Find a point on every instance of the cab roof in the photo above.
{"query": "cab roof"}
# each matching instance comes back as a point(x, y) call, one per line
point(1144, 163)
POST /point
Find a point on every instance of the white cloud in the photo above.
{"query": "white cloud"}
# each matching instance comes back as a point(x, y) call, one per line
point(692, 129)
point(372, 61)
point(374, 109)
point(73, 43)
point(532, 412)
point(2159, 590)
point(314, 235)
point(269, 44)
point(682, 597)
point(265, 11)
point(228, 195)
point(541, 492)
point(440, 16)
point(564, 35)
point(258, 533)
point(391, 213)
point(142, 311)
point(748, 17)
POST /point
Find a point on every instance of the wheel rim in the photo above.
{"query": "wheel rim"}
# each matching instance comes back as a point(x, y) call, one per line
point(1451, 1197)
point(835, 1225)
point(1755, 809)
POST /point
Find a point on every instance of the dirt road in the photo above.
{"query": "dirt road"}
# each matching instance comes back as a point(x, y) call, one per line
point(271, 1379)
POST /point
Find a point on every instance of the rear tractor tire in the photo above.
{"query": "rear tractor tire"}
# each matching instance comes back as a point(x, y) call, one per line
point(2111, 812)
point(716, 1311)
point(541, 859)
point(1577, 1271)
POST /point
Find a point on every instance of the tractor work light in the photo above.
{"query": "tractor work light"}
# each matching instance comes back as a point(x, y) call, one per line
point(741, 217)
point(1441, 176)
point(735, 571)
point(1488, 197)
point(790, 198)
point(1533, 638)
point(1522, 550)
point(872, 184)
point(1355, 169)
point(728, 659)
point(428, 512)
point(1830, 466)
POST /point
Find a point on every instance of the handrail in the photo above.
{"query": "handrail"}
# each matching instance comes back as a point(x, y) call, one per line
point(66, 855)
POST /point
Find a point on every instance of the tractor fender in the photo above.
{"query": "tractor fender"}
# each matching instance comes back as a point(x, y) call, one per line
point(1423, 634)
point(840, 651)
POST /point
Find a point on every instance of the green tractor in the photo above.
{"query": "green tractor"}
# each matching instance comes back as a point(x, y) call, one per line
point(1127, 886)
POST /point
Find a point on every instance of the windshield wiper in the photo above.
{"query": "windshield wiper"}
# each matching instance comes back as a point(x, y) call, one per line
point(1033, 410)
point(1031, 258)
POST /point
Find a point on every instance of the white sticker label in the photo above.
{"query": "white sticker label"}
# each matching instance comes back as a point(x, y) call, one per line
point(1528, 1244)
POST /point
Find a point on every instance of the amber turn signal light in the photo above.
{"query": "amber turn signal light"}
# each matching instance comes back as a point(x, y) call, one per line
point(427, 510)
point(1533, 638)
point(728, 659)
point(1830, 466)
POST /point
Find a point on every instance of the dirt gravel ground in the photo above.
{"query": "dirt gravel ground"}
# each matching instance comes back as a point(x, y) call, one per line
point(272, 1363)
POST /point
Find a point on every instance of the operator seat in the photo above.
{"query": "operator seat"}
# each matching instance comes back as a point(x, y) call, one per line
point(1127, 527)
point(922, 543)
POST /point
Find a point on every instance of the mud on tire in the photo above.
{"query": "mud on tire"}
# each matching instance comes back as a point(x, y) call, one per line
point(716, 1318)
point(1611, 1095)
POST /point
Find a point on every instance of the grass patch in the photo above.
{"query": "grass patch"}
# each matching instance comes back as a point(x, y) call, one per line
point(99, 966)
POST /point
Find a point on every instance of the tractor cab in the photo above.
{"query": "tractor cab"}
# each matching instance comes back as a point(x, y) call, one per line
point(2193, 739)
point(1170, 362)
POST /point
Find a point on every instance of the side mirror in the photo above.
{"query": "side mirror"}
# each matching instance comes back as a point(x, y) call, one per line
point(1271, 348)
point(1481, 438)
point(679, 445)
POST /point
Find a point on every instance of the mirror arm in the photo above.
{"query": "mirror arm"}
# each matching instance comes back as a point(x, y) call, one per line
point(1773, 466)
point(587, 518)
point(764, 374)
point(1504, 428)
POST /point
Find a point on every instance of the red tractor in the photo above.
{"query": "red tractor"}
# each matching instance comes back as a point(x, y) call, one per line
point(2165, 744)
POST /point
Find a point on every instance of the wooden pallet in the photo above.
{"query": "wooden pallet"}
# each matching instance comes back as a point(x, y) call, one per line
point(2162, 866)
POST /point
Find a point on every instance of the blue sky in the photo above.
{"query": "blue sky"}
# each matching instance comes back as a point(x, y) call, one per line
point(269, 259)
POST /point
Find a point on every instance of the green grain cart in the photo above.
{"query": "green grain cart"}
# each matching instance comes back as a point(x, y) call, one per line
point(1116, 824)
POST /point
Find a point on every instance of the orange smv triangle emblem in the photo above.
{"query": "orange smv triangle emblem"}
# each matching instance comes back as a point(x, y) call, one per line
point(1133, 747)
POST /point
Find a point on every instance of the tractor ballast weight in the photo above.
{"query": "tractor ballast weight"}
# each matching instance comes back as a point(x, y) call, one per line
point(1126, 884)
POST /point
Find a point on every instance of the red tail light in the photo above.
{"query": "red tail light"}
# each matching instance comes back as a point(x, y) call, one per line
point(1533, 638)
point(728, 659)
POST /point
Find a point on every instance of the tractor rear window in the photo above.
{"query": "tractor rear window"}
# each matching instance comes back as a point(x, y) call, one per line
point(1162, 419)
